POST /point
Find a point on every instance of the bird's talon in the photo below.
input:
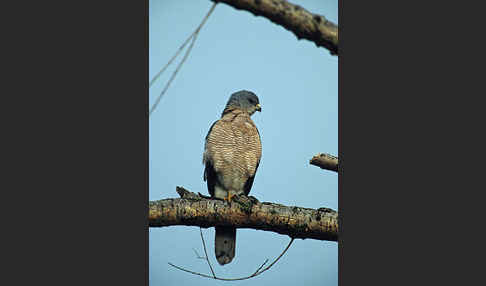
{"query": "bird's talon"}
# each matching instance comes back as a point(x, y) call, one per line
point(229, 197)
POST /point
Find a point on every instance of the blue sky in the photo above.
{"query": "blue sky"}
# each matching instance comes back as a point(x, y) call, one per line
point(297, 84)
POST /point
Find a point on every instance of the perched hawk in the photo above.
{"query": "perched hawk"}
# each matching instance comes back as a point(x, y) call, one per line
point(231, 155)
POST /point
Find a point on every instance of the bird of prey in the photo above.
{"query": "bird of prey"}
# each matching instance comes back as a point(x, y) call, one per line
point(232, 154)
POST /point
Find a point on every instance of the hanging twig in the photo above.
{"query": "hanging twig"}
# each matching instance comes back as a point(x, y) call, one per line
point(171, 60)
point(256, 273)
point(173, 76)
point(275, 261)
point(193, 36)
point(206, 253)
point(198, 256)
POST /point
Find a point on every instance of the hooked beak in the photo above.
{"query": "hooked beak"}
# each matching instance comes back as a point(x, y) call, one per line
point(259, 107)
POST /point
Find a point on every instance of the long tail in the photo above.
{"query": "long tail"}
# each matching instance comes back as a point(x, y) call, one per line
point(224, 244)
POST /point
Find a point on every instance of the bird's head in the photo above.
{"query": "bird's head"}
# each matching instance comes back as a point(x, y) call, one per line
point(244, 100)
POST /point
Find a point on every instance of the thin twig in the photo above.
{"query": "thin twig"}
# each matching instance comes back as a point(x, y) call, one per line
point(194, 37)
point(171, 60)
point(281, 254)
point(192, 272)
point(198, 256)
point(256, 273)
point(206, 253)
point(182, 46)
point(173, 76)
point(261, 266)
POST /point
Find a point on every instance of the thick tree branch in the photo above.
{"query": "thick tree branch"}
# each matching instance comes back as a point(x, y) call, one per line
point(325, 161)
point(244, 212)
point(304, 24)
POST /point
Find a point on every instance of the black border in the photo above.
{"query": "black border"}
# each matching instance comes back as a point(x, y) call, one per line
point(403, 82)
point(77, 164)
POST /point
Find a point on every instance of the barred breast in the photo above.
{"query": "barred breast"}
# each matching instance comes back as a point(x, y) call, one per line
point(233, 146)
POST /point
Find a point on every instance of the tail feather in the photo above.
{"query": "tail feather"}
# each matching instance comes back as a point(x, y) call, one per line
point(224, 244)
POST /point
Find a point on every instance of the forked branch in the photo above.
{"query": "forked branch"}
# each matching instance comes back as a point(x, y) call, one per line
point(256, 273)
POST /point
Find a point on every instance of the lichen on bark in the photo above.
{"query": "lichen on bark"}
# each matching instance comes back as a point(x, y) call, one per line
point(244, 212)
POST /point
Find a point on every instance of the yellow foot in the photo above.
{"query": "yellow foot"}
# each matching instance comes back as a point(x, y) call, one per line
point(229, 197)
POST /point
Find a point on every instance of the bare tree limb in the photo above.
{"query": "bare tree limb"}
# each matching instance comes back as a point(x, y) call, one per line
point(244, 212)
point(325, 161)
point(304, 24)
point(256, 273)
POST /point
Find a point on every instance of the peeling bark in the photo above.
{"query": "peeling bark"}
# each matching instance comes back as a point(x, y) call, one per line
point(304, 24)
point(244, 212)
point(325, 161)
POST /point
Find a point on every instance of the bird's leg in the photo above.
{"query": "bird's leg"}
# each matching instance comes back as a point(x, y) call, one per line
point(230, 196)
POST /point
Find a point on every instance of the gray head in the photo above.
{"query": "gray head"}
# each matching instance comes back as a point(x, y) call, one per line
point(244, 100)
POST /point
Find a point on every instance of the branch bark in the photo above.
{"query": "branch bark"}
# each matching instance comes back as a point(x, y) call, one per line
point(244, 212)
point(304, 24)
point(325, 161)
